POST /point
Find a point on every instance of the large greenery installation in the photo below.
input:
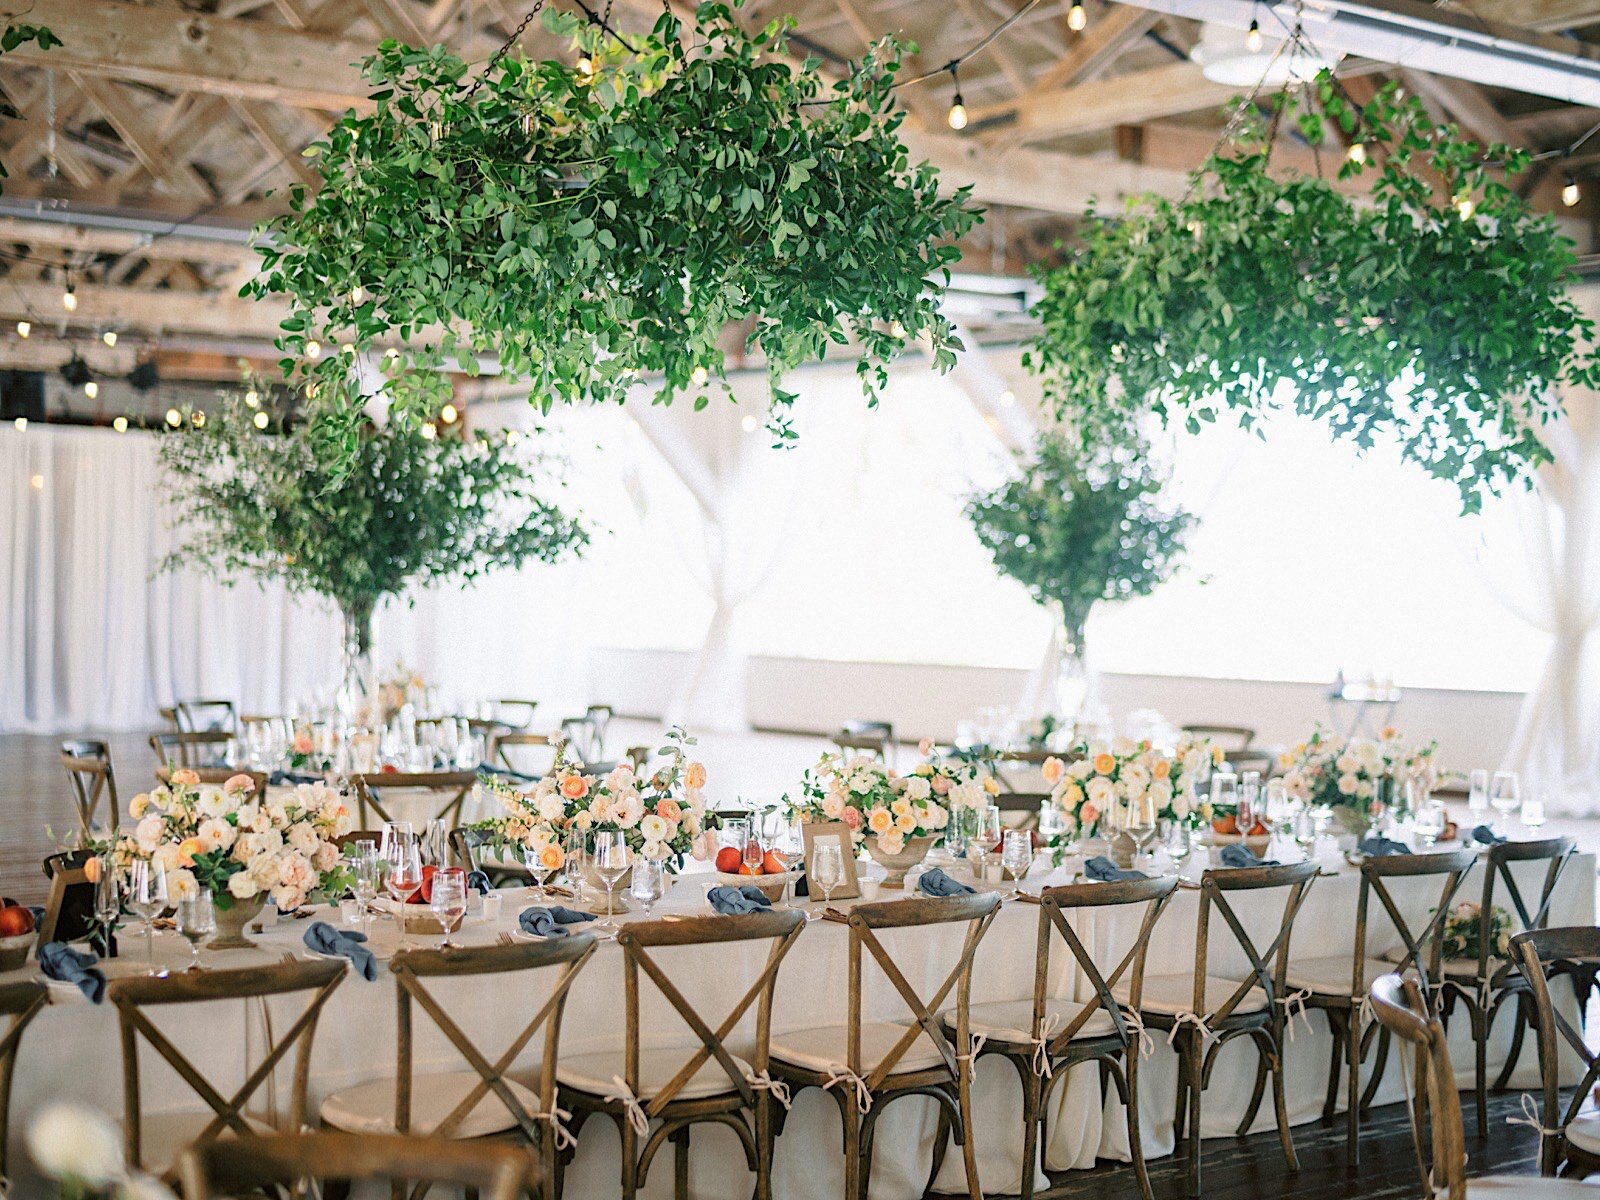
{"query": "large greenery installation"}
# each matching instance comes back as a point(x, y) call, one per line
point(1079, 524)
point(1433, 312)
point(589, 223)
point(410, 508)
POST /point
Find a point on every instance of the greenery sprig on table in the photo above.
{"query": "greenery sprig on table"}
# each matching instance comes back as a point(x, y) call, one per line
point(1433, 312)
point(1079, 524)
point(592, 224)
point(408, 508)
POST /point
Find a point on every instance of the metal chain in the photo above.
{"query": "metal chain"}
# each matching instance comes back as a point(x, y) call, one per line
point(505, 48)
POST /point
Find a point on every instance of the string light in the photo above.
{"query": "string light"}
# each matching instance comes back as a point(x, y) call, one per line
point(748, 423)
point(109, 337)
point(1252, 39)
point(958, 110)
point(259, 420)
point(120, 424)
point(1007, 398)
point(1570, 194)
point(22, 424)
point(358, 294)
point(1357, 152)
point(585, 69)
point(69, 298)
point(896, 330)
point(429, 431)
point(1077, 19)
point(449, 413)
point(252, 399)
point(174, 417)
point(313, 349)
point(36, 482)
point(24, 328)
point(198, 420)
point(91, 389)
point(513, 436)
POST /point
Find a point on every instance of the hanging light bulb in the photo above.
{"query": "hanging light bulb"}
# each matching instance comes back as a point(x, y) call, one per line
point(748, 423)
point(252, 399)
point(358, 294)
point(259, 420)
point(109, 337)
point(1465, 207)
point(513, 436)
point(69, 298)
point(22, 424)
point(699, 376)
point(896, 330)
point(449, 414)
point(174, 417)
point(1357, 152)
point(1077, 19)
point(313, 349)
point(585, 69)
point(958, 110)
point(24, 328)
point(199, 418)
point(1252, 39)
point(91, 389)
point(120, 424)
point(1570, 194)
point(429, 431)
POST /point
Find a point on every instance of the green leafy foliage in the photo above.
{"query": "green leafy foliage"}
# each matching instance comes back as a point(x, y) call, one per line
point(16, 34)
point(1079, 524)
point(407, 509)
point(591, 226)
point(1434, 311)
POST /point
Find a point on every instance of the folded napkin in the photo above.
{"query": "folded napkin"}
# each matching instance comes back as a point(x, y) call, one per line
point(325, 939)
point(935, 882)
point(285, 778)
point(1240, 855)
point(1102, 870)
point(1486, 835)
point(480, 881)
point(732, 901)
point(551, 922)
point(1378, 847)
point(60, 961)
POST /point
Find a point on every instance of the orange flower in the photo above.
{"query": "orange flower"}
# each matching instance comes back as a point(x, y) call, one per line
point(695, 776)
point(1052, 769)
point(1389, 733)
point(1163, 768)
point(303, 743)
point(1105, 764)
point(91, 869)
point(668, 810)
point(575, 787)
point(551, 857)
point(187, 849)
point(184, 777)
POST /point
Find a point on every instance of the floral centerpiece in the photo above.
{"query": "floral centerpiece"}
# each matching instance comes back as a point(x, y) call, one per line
point(661, 814)
point(398, 688)
point(240, 847)
point(1351, 776)
point(1465, 926)
point(896, 817)
point(1101, 786)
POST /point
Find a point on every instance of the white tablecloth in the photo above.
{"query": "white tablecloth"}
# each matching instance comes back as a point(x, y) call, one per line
point(71, 1051)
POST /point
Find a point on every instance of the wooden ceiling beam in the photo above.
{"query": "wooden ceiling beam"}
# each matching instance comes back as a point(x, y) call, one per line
point(152, 312)
point(82, 239)
point(1130, 99)
point(1466, 102)
point(120, 111)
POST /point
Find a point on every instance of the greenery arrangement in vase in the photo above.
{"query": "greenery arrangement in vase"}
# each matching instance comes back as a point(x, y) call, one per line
point(1435, 317)
point(1080, 524)
point(409, 509)
point(609, 218)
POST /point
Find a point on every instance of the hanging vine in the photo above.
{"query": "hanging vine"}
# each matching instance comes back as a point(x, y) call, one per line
point(17, 33)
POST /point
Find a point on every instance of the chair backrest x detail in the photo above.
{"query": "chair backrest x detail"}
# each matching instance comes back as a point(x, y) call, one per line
point(1535, 954)
point(1401, 1007)
point(1555, 853)
point(1267, 967)
point(1421, 951)
point(451, 786)
point(88, 764)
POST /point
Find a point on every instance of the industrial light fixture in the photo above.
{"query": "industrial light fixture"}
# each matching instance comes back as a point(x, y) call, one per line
point(75, 371)
point(144, 375)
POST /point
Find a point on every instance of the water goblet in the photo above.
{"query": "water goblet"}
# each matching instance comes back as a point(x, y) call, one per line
point(611, 860)
point(448, 899)
point(404, 860)
point(1016, 856)
point(1478, 794)
point(826, 871)
point(1532, 813)
point(196, 921)
point(1306, 828)
point(367, 871)
point(1179, 844)
point(147, 897)
point(649, 883)
point(1505, 797)
point(1428, 822)
point(541, 863)
point(984, 841)
point(789, 843)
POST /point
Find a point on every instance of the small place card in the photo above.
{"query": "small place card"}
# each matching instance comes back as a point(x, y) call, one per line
point(837, 833)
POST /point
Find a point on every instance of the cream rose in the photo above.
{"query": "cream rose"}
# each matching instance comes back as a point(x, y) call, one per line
point(242, 886)
point(216, 834)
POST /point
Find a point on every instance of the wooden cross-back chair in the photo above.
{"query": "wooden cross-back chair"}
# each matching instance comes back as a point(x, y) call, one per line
point(514, 714)
point(452, 786)
point(88, 764)
point(1339, 984)
point(504, 743)
point(1202, 1013)
point(681, 1087)
point(1401, 1007)
point(224, 1116)
point(582, 735)
point(867, 737)
point(218, 775)
point(205, 716)
point(21, 1001)
point(482, 1101)
point(298, 1165)
point(1566, 1139)
point(1043, 1038)
point(1239, 735)
point(869, 1064)
point(189, 749)
point(1486, 983)
point(1024, 803)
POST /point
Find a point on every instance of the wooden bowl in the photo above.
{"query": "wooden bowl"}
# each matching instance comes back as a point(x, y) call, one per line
point(771, 886)
point(421, 919)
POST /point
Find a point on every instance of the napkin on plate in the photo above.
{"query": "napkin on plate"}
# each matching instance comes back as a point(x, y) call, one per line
point(1378, 847)
point(480, 881)
point(551, 922)
point(325, 939)
point(1238, 855)
point(732, 901)
point(935, 882)
point(1102, 870)
point(61, 962)
point(1485, 835)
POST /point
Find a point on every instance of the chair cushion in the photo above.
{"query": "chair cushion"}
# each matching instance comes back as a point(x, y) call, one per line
point(825, 1049)
point(163, 1136)
point(369, 1107)
point(1584, 1132)
point(1012, 1020)
point(597, 1073)
point(1173, 994)
point(1330, 976)
point(1456, 968)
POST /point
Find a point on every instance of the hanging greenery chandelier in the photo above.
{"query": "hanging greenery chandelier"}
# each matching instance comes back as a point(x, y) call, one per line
point(592, 223)
point(1432, 311)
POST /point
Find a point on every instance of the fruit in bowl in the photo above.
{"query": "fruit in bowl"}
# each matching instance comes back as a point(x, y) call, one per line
point(15, 919)
point(769, 874)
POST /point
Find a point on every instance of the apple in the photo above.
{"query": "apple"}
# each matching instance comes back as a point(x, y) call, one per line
point(424, 894)
point(728, 860)
point(15, 920)
point(771, 864)
point(1227, 824)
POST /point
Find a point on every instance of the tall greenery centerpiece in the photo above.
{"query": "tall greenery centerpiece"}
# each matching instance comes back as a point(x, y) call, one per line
point(409, 508)
point(608, 218)
point(1433, 311)
point(1079, 524)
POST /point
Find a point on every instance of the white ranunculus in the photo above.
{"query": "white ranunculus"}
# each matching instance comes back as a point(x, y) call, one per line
point(264, 869)
point(216, 834)
point(655, 851)
point(213, 802)
point(653, 828)
point(241, 885)
point(628, 812)
point(1102, 792)
point(73, 1142)
point(1079, 768)
point(861, 783)
point(621, 779)
point(1160, 791)
point(148, 833)
point(936, 817)
point(551, 806)
point(918, 788)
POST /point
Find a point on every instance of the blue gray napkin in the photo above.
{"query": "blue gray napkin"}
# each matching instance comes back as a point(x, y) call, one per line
point(325, 939)
point(60, 961)
point(480, 881)
point(733, 901)
point(1486, 835)
point(1379, 847)
point(1240, 855)
point(934, 882)
point(551, 922)
point(1102, 870)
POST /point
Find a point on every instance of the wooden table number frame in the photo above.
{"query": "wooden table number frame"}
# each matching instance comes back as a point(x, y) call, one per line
point(850, 887)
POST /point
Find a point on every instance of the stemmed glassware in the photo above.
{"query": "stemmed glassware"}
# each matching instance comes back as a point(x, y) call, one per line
point(1428, 822)
point(1249, 810)
point(611, 860)
point(1016, 856)
point(1505, 797)
point(577, 851)
point(984, 841)
point(963, 820)
point(1141, 826)
point(1179, 843)
point(649, 883)
point(196, 921)
point(404, 860)
point(367, 869)
point(147, 897)
point(107, 900)
point(448, 899)
point(1478, 794)
point(826, 871)
point(1532, 813)
point(786, 838)
point(538, 871)
point(1306, 826)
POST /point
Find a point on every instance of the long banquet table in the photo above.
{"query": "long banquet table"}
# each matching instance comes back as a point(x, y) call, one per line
point(71, 1051)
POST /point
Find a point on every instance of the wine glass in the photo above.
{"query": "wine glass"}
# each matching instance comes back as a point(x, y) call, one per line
point(963, 820)
point(196, 921)
point(147, 897)
point(1179, 844)
point(1016, 856)
point(984, 841)
point(1141, 825)
point(752, 853)
point(1225, 796)
point(1505, 797)
point(649, 883)
point(1428, 822)
point(789, 843)
point(405, 868)
point(448, 899)
point(577, 852)
point(1478, 794)
point(538, 870)
point(1277, 802)
point(736, 833)
point(1050, 823)
point(107, 901)
point(367, 870)
point(610, 863)
point(1306, 827)
point(827, 870)
point(1249, 810)
point(435, 844)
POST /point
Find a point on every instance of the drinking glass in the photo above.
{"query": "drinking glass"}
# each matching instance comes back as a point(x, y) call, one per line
point(1505, 797)
point(610, 863)
point(577, 851)
point(404, 860)
point(532, 859)
point(1225, 794)
point(1141, 825)
point(196, 922)
point(827, 870)
point(1532, 813)
point(984, 841)
point(367, 869)
point(1179, 844)
point(1249, 796)
point(752, 853)
point(1050, 823)
point(449, 899)
point(649, 884)
point(1277, 806)
point(1017, 855)
point(107, 900)
point(789, 842)
point(1306, 827)
point(735, 833)
point(147, 897)
point(1428, 822)
point(1478, 795)
point(963, 822)
point(435, 844)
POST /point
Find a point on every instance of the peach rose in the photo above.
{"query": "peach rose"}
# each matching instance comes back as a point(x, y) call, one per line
point(851, 817)
point(1053, 769)
point(668, 810)
point(575, 787)
point(1162, 769)
point(303, 743)
point(695, 775)
point(1088, 813)
point(241, 785)
point(1105, 764)
point(188, 848)
point(880, 820)
point(551, 857)
point(184, 777)
point(925, 747)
